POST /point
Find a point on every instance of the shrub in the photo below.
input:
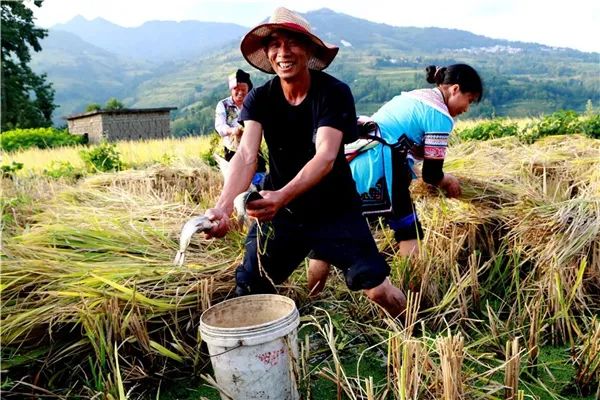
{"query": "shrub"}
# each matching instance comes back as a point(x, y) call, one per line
point(9, 170)
point(102, 158)
point(562, 122)
point(63, 169)
point(167, 159)
point(591, 126)
point(488, 130)
point(214, 147)
point(20, 139)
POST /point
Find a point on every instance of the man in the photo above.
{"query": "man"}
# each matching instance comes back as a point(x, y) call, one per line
point(310, 203)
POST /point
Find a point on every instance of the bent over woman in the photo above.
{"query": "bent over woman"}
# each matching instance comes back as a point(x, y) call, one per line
point(425, 117)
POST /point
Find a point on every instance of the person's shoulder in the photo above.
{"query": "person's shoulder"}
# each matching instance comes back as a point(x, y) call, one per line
point(263, 92)
point(267, 86)
point(331, 83)
point(224, 103)
point(328, 80)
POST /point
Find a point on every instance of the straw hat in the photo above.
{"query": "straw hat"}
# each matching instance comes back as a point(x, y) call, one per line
point(253, 46)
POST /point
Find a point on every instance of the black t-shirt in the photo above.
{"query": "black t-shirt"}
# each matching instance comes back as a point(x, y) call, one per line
point(290, 133)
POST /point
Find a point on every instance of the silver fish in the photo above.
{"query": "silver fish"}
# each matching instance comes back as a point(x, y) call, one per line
point(196, 224)
point(240, 202)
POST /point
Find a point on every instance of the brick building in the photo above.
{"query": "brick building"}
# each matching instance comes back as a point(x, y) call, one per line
point(124, 124)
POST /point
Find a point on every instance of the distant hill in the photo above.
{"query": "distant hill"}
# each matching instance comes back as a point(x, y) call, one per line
point(185, 64)
point(335, 27)
point(82, 73)
point(155, 41)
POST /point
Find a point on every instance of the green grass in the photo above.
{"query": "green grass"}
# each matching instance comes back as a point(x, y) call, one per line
point(556, 373)
point(188, 389)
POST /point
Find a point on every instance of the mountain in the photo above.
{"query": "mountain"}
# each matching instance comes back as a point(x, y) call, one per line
point(82, 73)
point(155, 41)
point(335, 27)
point(172, 64)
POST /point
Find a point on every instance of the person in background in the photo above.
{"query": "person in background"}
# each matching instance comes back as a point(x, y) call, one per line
point(425, 116)
point(227, 119)
point(310, 201)
point(228, 111)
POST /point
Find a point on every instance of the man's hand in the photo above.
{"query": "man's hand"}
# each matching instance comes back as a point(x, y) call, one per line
point(450, 185)
point(222, 225)
point(265, 209)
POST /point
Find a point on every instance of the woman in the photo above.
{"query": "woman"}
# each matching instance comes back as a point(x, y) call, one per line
point(425, 116)
point(228, 111)
point(227, 123)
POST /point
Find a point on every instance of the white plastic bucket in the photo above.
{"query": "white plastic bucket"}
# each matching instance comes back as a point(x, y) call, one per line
point(252, 342)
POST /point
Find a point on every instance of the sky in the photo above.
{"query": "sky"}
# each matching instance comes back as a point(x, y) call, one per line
point(573, 23)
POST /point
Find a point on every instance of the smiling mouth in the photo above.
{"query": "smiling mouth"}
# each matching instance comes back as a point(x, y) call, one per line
point(285, 65)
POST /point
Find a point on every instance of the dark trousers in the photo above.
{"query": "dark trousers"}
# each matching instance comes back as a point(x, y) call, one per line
point(282, 244)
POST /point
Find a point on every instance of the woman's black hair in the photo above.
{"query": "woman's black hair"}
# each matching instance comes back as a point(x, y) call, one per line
point(462, 74)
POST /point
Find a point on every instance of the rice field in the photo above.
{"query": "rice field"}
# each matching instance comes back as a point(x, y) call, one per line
point(504, 299)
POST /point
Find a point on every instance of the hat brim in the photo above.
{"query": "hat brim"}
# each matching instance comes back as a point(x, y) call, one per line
point(253, 50)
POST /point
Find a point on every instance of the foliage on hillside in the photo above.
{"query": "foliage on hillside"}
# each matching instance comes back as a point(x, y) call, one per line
point(377, 61)
point(559, 123)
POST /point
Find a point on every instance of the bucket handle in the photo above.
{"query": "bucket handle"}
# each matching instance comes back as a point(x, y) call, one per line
point(240, 344)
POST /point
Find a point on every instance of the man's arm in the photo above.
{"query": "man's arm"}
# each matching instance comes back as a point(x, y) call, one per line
point(241, 170)
point(328, 142)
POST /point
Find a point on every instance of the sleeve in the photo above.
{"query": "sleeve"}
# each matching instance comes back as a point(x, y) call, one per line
point(433, 171)
point(437, 128)
point(252, 110)
point(337, 111)
point(221, 119)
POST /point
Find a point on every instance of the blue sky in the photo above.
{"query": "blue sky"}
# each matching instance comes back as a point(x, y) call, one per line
point(574, 24)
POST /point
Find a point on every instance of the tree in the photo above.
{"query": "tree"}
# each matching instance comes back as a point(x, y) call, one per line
point(113, 104)
point(27, 99)
point(93, 107)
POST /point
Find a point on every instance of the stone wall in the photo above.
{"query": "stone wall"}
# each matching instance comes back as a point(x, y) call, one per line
point(122, 126)
point(92, 126)
point(136, 126)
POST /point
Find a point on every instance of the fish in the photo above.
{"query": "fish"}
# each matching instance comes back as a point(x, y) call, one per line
point(203, 224)
point(196, 224)
point(240, 202)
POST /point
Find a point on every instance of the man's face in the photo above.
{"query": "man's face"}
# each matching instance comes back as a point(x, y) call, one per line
point(288, 54)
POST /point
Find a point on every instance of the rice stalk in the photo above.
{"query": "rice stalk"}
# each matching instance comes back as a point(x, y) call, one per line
point(511, 376)
point(407, 362)
point(451, 351)
point(533, 341)
point(119, 382)
point(304, 365)
point(587, 358)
